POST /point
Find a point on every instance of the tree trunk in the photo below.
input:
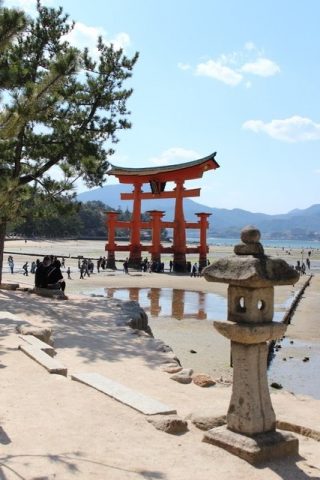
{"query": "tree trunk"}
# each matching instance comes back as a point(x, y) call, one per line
point(3, 225)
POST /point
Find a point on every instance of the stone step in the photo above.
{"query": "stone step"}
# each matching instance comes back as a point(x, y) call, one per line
point(123, 394)
point(50, 293)
point(32, 340)
point(50, 364)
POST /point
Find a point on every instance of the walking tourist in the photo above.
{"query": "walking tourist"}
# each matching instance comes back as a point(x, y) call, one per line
point(25, 268)
point(11, 263)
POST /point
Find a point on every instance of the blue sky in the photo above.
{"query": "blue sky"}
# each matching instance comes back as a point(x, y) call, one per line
point(240, 78)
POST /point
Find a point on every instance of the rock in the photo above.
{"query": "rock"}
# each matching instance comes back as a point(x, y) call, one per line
point(250, 234)
point(306, 359)
point(284, 359)
point(169, 424)
point(172, 368)
point(42, 333)
point(207, 420)
point(9, 286)
point(181, 378)
point(164, 348)
point(203, 380)
point(184, 376)
point(135, 317)
point(193, 351)
point(276, 385)
point(50, 293)
point(176, 359)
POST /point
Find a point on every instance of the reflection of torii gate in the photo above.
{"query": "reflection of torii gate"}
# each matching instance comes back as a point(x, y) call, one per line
point(157, 178)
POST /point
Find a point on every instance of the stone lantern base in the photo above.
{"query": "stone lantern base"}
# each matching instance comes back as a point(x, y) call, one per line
point(254, 449)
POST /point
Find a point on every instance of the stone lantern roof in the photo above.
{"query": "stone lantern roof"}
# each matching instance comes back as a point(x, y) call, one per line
point(250, 267)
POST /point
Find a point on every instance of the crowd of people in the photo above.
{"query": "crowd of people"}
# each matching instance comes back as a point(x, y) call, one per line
point(51, 266)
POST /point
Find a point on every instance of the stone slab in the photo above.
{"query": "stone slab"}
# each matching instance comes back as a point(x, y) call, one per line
point(50, 293)
point(123, 394)
point(32, 340)
point(259, 448)
point(9, 286)
point(50, 364)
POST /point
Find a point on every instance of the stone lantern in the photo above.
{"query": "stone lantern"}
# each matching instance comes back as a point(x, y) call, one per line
point(251, 424)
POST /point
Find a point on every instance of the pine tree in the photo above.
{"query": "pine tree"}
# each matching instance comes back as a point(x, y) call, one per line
point(60, 107)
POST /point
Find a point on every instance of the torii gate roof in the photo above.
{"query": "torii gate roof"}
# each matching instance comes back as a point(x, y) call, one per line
point(167, 173)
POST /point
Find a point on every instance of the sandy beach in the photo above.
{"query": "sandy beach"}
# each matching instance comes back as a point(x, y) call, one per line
point(56, 428)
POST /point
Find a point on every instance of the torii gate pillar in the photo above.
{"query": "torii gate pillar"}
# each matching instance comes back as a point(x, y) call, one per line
point(203, 247)
point(179, 231)
point(135, 245)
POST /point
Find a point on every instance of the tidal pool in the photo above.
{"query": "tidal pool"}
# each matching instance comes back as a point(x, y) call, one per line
point(183, 319)
point(179, 304)
point(295, 366)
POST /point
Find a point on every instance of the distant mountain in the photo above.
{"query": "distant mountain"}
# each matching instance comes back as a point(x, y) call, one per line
point(226, 223)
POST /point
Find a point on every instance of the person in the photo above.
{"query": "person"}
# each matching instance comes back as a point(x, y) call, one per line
point(11, 263)
point(170, 266)
point(33, 267)
point(194, 271)
point(25, 268)
point(55, 278)
point(82, 269)
point(69, 273)
point(41, 272)
point(126, 266)
point(99, 262)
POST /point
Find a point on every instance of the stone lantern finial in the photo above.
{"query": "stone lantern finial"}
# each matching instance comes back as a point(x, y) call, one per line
point(251, 275)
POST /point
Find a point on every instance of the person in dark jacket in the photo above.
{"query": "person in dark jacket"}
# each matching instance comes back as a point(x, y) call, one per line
point(42, 272)
point(55, 277)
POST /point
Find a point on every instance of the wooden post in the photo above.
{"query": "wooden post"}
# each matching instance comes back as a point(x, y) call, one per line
point(135, 245)
point(179, 231)
point(203, 248)
point(155, 249)
point(110, 247)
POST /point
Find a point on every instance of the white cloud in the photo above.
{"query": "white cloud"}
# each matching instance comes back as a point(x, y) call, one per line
point(217, 70)
point(262, 67)
point(233, 68)
point(173, 155)
point(293, 129)
point(85, 36)
point(82, 35)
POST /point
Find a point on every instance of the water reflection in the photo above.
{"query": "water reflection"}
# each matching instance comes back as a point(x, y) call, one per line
point(168, 302)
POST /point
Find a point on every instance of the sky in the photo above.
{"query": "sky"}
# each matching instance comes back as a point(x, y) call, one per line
point(240, 78)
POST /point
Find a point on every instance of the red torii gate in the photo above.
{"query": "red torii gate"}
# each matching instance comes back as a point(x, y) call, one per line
point(157, 177)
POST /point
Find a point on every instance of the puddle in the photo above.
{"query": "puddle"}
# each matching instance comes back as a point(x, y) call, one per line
point(164, 305)
point(295, 374)
point(178, 304)
point(172, 303)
